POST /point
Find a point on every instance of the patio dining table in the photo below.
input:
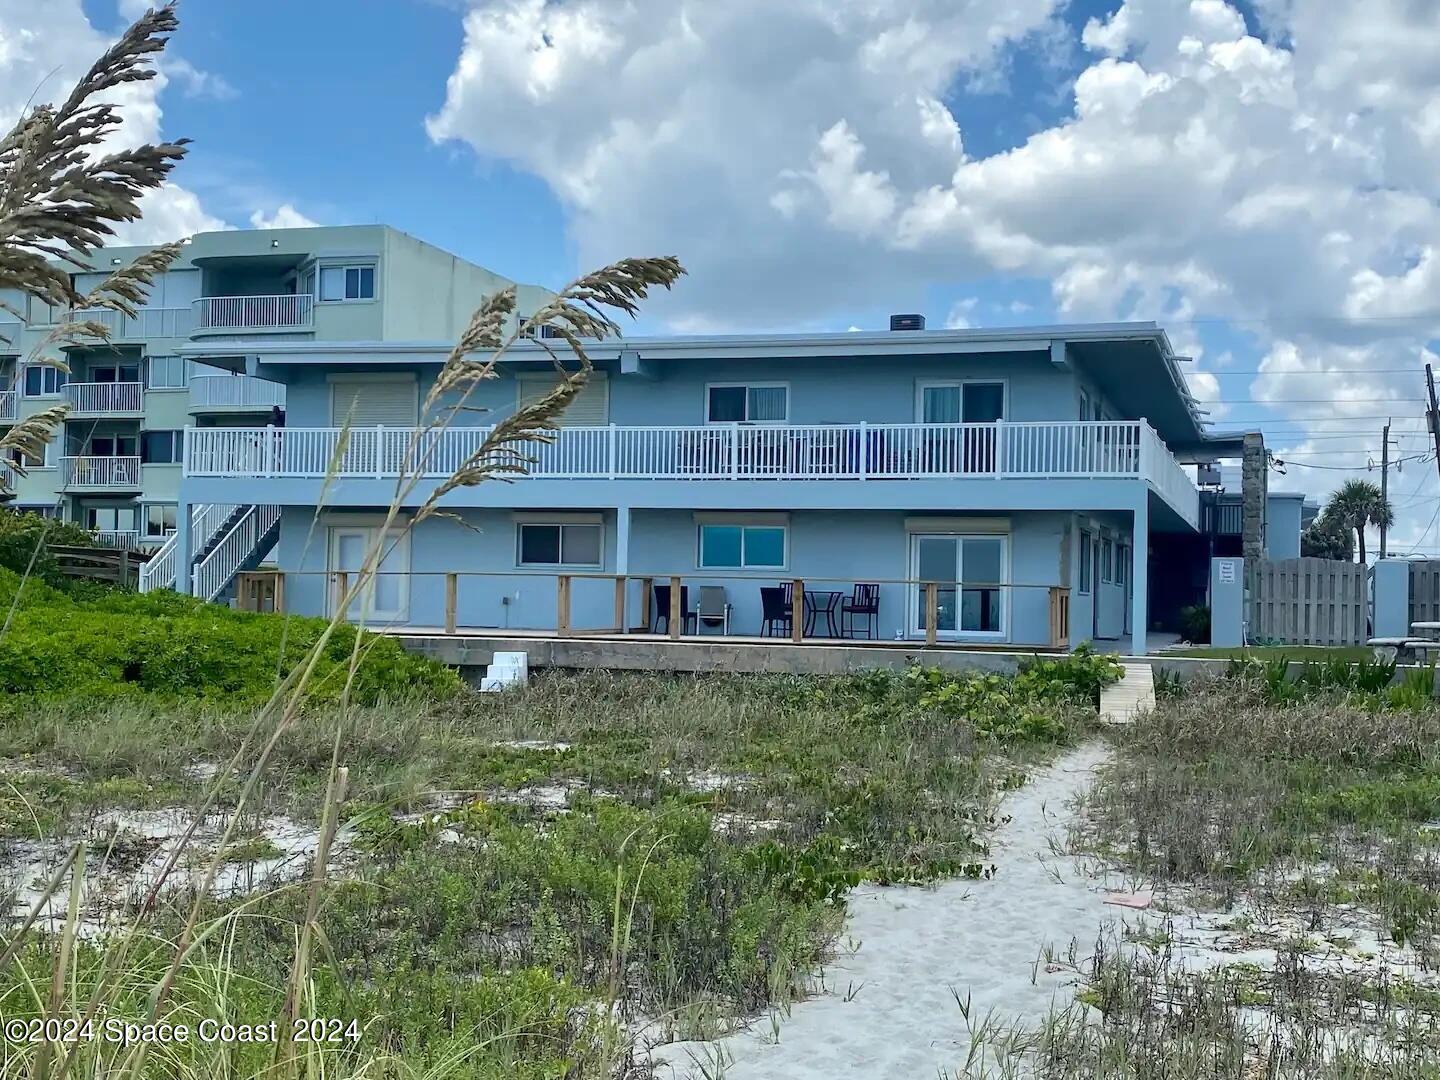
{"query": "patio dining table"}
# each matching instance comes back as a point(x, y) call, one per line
point(823, 602)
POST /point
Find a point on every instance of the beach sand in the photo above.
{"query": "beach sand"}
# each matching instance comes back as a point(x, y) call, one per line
point(888, 1007)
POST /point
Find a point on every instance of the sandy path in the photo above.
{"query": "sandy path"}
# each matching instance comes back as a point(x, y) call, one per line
point(983, 938)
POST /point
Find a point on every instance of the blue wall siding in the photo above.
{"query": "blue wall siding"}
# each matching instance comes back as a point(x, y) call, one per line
point(1111, 598)
point(830, 549)
point(1282, 526)
point(840, 390)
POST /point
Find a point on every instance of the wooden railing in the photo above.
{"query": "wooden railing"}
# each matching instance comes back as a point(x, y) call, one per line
point(929, 599)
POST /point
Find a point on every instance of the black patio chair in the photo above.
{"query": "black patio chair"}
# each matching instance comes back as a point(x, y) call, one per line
point(864, 605)
point(776, 609)
point(660, 609)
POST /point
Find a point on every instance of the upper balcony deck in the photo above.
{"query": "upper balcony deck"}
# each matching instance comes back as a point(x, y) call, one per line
point(858, 456)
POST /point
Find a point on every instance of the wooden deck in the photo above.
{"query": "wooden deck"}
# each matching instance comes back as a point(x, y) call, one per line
point(474, 648)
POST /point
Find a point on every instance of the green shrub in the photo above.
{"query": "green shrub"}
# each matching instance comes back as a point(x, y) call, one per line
point(1195, 624)
point(21, 534)
point(120, 642)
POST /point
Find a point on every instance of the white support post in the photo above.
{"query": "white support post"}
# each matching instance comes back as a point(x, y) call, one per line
point(182, 548)
point(1140, 576)
point(622, 540)
point(864, 467)
point(610, 452)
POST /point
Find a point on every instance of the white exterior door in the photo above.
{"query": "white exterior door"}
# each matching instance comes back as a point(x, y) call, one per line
point(386, 598)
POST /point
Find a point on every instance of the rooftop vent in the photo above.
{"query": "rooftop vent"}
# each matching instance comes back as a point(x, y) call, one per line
point(907, 322)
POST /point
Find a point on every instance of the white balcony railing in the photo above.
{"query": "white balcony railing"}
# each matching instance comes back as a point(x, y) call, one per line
point(89, 471)
point(147, 322)
point(129, 539)
point(104, 399)
point(233, 393)
point(7, 404)
point(1002, 450)
point(291, 311)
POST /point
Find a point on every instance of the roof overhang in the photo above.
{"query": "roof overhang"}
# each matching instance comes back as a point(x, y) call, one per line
point(1132, 363)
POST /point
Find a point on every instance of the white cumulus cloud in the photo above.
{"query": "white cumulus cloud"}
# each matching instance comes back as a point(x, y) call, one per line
point(44, 48)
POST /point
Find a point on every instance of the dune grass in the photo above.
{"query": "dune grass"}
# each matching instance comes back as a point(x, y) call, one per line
point(523, 881)
point(1307, 821)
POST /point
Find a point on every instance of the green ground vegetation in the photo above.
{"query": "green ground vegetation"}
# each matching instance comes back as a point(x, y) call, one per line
point(524, 876)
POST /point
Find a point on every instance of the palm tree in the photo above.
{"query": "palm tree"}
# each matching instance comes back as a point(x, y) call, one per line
point(1358, 504)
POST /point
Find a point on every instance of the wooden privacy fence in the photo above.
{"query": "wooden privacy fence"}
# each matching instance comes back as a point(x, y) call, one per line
point(1424, 591)
point(1307, 601)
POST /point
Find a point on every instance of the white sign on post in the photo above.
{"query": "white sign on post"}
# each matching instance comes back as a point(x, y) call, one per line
point(1227, 571)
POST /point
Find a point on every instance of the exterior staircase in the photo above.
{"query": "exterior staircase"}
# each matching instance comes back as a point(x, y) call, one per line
point(226, 538)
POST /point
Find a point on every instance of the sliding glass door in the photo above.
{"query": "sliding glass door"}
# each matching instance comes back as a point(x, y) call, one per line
point(970, 572)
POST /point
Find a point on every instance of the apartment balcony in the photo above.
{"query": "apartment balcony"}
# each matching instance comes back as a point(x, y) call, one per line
point(146, 323)
point(109, 399)
point(234, 393)
point(126, 539)
point(7, 405)
point(228, 314)
point(722, 453)
point(91, 473)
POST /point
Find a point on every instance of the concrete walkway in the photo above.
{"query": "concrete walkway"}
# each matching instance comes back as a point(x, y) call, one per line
point(1134, 691)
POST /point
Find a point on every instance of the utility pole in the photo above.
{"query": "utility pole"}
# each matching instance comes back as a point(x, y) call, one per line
point(1384, 478)
point(1432, 415)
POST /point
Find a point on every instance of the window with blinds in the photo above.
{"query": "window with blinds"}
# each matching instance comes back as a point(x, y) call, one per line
point(373, 402)
point(591, 407)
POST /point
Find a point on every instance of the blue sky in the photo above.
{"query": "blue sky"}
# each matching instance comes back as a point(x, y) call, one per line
point(1260, 177)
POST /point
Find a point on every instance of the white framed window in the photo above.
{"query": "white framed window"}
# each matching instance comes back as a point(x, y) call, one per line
point(20, 457)
point(162, 447)
point(1085, 565)
point(961, 401)
point(747, 403)
point(42, 380)
point(544, 543)
point(742, 546)
point(1107, 559)
point(110, 518)
point(40, 313)
point(169, 373)
point(339, 284)
point(159, 520)
point(114, 446)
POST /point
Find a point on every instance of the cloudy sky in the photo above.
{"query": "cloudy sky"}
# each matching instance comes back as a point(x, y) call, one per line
point(1262, 177)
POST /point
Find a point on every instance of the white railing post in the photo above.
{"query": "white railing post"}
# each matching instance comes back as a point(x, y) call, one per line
point(734, 449)
point(1000, 447)
point(610, 452)
point(863, 468)
point(1144, 437)
point(379, 452)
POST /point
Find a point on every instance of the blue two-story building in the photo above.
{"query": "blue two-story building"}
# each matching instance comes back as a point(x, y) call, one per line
point(1012, 468)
